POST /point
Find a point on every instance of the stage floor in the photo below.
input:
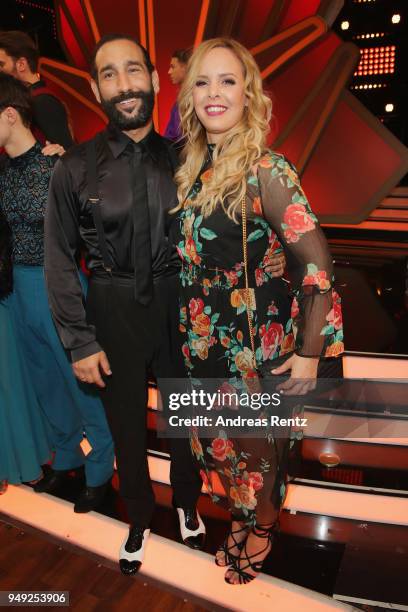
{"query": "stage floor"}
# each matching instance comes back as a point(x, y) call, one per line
point(30, 561)
point(360, 562)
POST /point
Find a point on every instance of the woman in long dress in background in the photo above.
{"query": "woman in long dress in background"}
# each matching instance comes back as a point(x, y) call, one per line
point(24, 443)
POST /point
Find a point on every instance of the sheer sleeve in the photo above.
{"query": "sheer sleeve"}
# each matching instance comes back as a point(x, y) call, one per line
point(316, 309)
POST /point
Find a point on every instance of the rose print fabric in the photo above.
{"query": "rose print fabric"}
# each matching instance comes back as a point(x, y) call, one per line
point(299, 313)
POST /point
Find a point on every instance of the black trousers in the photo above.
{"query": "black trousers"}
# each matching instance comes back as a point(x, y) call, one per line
point(138, 339)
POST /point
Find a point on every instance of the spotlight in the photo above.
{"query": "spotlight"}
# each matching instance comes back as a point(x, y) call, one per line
point(345, 25)
point(396, 18)
point(389, 108)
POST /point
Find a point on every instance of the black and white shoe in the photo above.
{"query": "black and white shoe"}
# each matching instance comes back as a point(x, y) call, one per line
point(192, 528)
point(132, 550)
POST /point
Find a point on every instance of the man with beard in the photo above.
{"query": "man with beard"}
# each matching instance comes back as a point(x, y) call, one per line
point(112, 195)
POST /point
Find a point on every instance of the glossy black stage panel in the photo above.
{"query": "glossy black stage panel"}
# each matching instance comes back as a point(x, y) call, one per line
point(371, 269)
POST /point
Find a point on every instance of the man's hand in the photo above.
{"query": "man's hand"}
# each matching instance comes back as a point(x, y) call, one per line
point(277, 265)
point(52, 149)
point(89, 369)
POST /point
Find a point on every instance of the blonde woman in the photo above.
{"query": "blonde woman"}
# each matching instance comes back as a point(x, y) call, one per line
point(225, 118)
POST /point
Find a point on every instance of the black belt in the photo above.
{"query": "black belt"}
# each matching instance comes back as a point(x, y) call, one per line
point(102, 277)
point(126, 278)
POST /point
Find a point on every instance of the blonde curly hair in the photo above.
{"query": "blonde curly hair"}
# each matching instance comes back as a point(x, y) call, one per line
point(240, 147)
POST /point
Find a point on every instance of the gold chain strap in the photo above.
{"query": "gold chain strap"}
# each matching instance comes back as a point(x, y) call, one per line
point(247, 289)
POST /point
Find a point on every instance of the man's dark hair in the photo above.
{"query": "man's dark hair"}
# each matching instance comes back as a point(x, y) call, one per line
point(182, 55)
point(112, 37)
point(19, 44)
point(15, 94)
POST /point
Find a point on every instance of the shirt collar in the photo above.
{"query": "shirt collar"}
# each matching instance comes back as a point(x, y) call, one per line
point(118, 141)
point(38, 84)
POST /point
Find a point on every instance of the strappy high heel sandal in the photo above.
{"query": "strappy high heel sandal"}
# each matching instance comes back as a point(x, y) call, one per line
point(230, 557)
point(241, 564)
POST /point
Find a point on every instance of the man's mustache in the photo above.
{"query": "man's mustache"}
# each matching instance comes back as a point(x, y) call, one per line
point(127, 95)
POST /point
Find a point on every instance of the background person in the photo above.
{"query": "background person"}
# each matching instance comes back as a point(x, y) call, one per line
point(177, 71)
point(69, 408)
point(19, 57)
point(24, 443)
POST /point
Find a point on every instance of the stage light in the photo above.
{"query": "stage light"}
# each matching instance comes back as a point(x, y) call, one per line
point(345, 25)
point(389, 108)
point(396, 18)
point(377, 60)
point(372, 35)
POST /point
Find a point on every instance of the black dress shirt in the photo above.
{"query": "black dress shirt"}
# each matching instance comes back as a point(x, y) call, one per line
point(69, 225)
point(50, 116)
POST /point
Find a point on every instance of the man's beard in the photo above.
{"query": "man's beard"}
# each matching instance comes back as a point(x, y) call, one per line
point(119, 118)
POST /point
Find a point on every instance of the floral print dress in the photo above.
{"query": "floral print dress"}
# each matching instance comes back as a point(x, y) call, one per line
point(304, 317)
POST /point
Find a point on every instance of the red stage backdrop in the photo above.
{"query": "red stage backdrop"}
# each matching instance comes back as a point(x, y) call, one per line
point(348, 160)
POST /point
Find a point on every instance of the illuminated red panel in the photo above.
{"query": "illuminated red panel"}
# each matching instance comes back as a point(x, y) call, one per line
point(349, 165)
point(122, 16)
point(334, 169)
point(295, 143)
point(296, 11)
point(294, 81)
point(86, 123)
point(76, 10)
point(78, 82)
point(252, 20)
point(71, 42)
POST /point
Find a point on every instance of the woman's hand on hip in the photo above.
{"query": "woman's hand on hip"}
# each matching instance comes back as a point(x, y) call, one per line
point(303, 374)
point(276, 265)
